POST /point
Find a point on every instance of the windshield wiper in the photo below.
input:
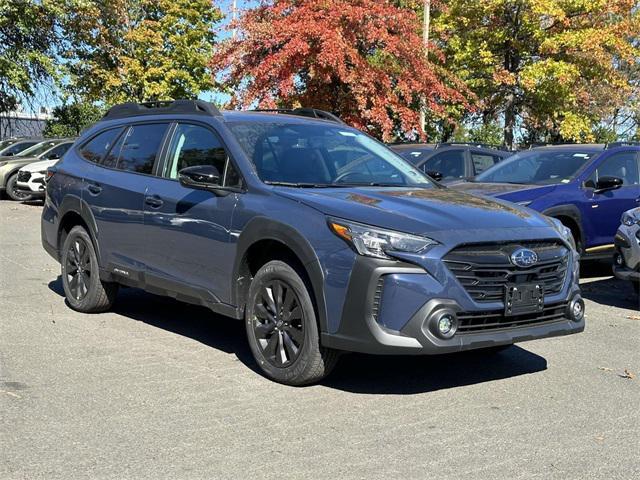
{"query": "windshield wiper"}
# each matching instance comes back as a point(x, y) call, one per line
point(298, 184)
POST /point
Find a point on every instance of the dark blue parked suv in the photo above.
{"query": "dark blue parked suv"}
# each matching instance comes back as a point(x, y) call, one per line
point(318, 237)
point(586, 187)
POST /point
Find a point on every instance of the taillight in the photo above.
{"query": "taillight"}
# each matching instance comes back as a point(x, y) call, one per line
point(51, 171)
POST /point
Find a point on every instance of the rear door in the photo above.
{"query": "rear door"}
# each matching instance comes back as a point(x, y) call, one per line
point(188, 229)
point(602, 211)
point(115, 189)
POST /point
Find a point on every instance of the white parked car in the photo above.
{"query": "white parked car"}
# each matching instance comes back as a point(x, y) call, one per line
point(30, 180)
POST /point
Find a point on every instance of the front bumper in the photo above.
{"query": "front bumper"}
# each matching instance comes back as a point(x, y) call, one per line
point(626, 259)
point(390, 307)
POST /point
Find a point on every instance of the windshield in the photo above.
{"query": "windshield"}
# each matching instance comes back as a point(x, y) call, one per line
point(317, 155)
point(538, 167)
point(37, 149)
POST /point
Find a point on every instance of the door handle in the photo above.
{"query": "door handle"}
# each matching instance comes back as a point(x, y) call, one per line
point(94, 188)
point(153, 201)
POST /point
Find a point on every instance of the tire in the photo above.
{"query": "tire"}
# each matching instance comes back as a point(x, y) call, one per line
point(83, 288)
point(636, 287)
point(14, 194)
point(282, 329)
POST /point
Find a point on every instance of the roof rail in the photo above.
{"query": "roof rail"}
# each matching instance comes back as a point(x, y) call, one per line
point(303, 112)
point(130, 109)
point(621, 144)
point(470, 144)
point(563, 144)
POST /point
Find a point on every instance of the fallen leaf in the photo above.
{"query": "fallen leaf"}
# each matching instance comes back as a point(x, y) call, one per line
point(627, 374)
point(633, 317)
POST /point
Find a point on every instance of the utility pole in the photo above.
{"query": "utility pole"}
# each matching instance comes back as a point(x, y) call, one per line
point(234, 13)
point(426, 25)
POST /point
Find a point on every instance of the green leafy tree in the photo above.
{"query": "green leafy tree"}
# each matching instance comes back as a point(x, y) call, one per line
point(70, 119)
point(136, 50)
point(554, 67)
point(29, 37)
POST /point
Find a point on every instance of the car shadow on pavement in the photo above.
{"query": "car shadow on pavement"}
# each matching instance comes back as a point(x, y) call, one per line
point(611, 292)
point(356, 373)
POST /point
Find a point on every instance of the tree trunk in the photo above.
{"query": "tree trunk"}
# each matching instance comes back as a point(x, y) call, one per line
point(509, 120)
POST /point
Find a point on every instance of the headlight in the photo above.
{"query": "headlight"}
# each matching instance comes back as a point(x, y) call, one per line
point(631, 218)
point(564, 231)
point(376, 242)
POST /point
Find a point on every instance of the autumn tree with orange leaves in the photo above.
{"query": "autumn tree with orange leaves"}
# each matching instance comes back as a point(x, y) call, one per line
point(363, 60)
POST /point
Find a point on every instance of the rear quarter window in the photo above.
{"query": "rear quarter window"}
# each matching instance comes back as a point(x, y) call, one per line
point(96, 148)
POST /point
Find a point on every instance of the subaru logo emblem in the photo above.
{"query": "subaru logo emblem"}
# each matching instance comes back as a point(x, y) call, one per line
point(523, 257)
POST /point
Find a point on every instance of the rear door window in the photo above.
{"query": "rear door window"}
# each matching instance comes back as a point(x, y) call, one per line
point(140, 147)
point(96, 148)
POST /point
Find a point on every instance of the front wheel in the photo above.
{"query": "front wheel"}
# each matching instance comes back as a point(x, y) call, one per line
point(14, 193)
point(282, 329)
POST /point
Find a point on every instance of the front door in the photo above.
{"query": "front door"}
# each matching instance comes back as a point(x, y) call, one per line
point(190, 251)
point(602, 211)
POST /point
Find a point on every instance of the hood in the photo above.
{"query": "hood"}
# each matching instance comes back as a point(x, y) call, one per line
point(16, 159)
point(39, 166)
point(500, 189)
point(416, 210)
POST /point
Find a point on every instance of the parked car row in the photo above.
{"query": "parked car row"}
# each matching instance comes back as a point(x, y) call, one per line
point(23, 164)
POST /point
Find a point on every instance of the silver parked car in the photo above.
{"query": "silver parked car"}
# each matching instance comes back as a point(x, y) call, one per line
point(626, 260)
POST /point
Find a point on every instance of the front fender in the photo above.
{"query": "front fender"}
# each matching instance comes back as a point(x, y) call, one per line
point(263, 228)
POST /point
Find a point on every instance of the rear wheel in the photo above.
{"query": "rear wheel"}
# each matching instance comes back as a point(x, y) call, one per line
point(636, 287)
point(83, 288)
point(282, 329)
point(14, 193)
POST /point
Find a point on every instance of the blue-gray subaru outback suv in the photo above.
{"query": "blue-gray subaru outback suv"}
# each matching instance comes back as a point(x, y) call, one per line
point(314, 234)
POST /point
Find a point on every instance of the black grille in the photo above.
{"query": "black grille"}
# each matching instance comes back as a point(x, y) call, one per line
point(24, 176)
point(484, 270)
point(470, 322)
point(376, 298)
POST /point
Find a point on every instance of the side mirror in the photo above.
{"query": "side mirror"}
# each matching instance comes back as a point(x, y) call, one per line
point(53, 156)
point(437, 176)
point(9, 154)
point(608, 183)
point(201, 177)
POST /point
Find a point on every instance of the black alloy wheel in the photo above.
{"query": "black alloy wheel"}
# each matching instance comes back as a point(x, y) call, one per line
point(279, 323)
point(78, 268)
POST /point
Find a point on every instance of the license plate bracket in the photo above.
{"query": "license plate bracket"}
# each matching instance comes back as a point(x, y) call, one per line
point(524, 298)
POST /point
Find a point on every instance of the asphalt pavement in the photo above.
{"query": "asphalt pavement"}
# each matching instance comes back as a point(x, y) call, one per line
point(163, 390)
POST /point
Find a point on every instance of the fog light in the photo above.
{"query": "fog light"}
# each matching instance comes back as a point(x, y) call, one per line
point(576, 309)
point(443, 323)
